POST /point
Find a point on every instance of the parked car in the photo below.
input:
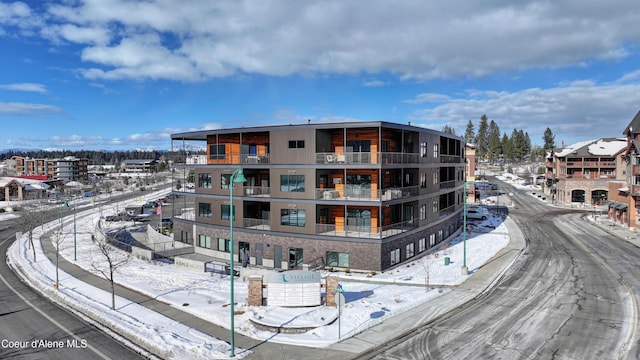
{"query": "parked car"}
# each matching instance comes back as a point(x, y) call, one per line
point(121, 216)
point(150, 205)
point(477, 213)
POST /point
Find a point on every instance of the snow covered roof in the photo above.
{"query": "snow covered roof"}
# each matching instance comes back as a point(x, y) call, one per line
point(604, 147)
point(598, 147)
point(26, 183)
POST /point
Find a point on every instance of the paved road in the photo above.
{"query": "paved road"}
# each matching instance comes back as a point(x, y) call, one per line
point(358, 346)
point(26, 316)
point(571, 296)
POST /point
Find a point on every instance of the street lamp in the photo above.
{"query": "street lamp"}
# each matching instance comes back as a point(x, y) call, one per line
point(66, 204)
point(236, 177)
point(75, 252)
point(465, 269)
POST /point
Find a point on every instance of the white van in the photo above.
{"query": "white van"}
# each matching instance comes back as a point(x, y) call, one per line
point(477, 213)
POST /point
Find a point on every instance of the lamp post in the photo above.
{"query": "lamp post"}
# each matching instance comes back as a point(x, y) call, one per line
point(465, 269)
point(75, 253)
point(236, 177)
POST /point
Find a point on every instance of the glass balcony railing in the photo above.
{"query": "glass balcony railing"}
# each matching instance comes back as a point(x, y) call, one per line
point(260, 224)
point(367, 232)
point(366, 194)
point(366, 158)
point(256, 191)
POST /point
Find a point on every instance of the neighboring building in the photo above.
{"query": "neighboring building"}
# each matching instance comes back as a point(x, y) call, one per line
point(18, 189)
point(617, 206)
point(580, 173)
point(144, 166)
point(66, 169)
point(470, 171)
point(632, 163)
point(196, 159)
point(360, 196)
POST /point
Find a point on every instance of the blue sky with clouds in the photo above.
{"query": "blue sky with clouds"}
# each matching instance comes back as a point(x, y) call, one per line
point(125, 74)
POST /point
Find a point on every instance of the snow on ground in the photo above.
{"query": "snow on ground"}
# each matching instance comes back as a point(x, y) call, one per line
point(369, 298)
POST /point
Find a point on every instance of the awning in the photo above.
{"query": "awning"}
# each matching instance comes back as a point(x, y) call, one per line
point(624, 189)
point(621, 207)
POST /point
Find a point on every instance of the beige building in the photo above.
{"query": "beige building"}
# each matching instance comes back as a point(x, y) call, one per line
point(579, 174)
point(361, 196)
point(64, 169)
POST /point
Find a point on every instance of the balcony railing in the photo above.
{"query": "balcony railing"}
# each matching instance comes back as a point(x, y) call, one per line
point(366, 158)
point(367, 232)
point(260, 224)
point(239, 159)
point(447, 184)
point(366, 194)
point(451, 159)
point(261, 191)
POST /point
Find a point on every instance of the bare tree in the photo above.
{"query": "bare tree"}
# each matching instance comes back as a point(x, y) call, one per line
point(114, 259)
point(29, 219)
point(58, 237)
point(426, 264)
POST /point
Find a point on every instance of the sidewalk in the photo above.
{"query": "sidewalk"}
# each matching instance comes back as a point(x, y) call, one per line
point(350, 348)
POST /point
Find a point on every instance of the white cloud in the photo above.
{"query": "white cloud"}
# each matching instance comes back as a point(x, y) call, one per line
point(31, 110)
point(428, 98)
point(573, 111)
point(373, 83)
point(29, 87)
point(77, 34)
point(413, 38)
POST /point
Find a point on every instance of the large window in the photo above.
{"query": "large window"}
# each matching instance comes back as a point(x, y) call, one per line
point(358, 219)
point(423, 180)
point(423, 149)
point(204, 210)
point(395, 256)
point(292, 217)
point(224, 212)
point(435, 206)
point(358, 186)
point(204, 181)
point(216, 152)
point(223, 244)
point(436, 149)
point(422, 245)
point(337, 259)
point(224, 181)
point(410, 248)
point(423, 212)
point(292, 183)
point(432, 240)
point(296, 144)
point(204, 241)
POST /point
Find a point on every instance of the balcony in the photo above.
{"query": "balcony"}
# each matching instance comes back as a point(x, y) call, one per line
point(366, 158)
point(259, 191)
point(367, 232)
point(451, 159)
point(238, 159)
point(259, 224)
point(366, 194)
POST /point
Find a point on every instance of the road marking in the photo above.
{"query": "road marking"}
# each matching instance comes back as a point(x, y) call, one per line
point(53, 321)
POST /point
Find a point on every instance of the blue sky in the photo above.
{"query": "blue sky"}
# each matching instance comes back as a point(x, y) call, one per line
point(125, 74)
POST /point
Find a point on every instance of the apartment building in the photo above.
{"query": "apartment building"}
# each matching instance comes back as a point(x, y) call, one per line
point(361, 196)
point(579, 174)
point(65, 169)
point(629, 191)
